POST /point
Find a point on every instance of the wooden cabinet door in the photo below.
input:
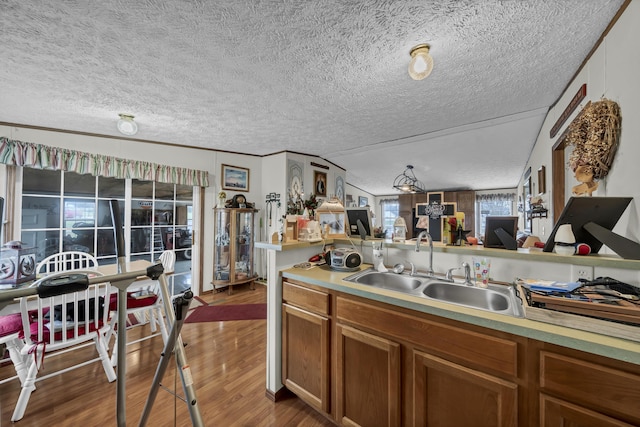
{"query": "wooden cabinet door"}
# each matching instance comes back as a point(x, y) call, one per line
point(448, 394)
point(367, 379)
point(305, 356)
point(558, 413)
point(466, 202)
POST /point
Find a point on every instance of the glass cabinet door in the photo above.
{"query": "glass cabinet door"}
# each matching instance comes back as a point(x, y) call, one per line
point(244, 249)
point(222, 245)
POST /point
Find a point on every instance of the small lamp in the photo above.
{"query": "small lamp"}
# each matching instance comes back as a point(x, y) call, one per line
point(565, 240)
point(126, 125)
point(421, 62)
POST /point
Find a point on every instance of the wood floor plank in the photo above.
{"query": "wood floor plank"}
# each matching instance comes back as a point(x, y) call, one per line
point(227, 361)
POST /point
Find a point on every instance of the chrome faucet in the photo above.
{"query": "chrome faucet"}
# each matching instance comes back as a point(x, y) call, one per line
point(467, 274)
point(449, 276)
point(425, 233)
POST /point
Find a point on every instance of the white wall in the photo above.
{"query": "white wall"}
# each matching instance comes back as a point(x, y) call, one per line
point(612, 73)
point(355, 193)
point(266, 175)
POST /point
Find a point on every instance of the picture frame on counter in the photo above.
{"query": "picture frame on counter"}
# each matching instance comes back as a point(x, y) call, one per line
point(332, 224)
point(362, 201)
point(235, 178)
point(332, 219)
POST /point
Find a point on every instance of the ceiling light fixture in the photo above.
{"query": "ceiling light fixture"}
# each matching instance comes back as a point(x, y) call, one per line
point(407, 182)
point(421, 62)
point(126, 125)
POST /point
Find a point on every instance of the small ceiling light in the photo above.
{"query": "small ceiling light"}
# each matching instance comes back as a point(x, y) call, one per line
point(421, 62)
point(126, 125)
point(408, 183)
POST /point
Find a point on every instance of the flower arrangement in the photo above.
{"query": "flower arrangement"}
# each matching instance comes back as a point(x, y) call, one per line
point(311, 204)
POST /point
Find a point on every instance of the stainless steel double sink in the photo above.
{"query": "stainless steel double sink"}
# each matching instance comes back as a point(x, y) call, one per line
point(495, 298)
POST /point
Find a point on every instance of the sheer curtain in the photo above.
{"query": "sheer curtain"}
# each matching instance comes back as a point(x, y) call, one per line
point(493, 204)
point(390, 210)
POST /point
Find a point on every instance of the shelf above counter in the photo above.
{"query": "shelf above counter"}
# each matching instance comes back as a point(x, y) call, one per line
point(533, 254)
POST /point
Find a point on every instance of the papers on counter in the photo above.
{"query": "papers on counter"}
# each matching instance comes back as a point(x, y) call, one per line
point(549, 285)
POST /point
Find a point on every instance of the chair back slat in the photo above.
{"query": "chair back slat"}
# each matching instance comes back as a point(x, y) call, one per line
point(65, 319)
point(66, 261)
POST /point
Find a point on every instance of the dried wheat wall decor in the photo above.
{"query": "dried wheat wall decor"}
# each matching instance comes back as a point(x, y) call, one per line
point(595, 135)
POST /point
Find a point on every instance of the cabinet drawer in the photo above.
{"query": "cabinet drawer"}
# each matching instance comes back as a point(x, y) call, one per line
point(476, 349)
point(609, 390)
point(310, 299)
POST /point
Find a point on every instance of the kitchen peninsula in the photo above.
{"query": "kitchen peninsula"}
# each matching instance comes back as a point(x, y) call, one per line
point(520, 363)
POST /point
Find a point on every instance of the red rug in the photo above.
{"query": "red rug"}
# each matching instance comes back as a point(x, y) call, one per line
point(217, 313)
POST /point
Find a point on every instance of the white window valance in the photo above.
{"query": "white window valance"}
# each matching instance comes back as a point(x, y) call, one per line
point(40, 156)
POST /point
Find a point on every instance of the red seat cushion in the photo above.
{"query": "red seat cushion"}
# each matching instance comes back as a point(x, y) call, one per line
point(133, 301)
point(33, 328)
point(10, 324)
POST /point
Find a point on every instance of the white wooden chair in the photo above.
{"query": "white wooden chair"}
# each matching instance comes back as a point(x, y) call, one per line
point(10, 328)
point(57, 324)
point(144, 302)
point(65, 261)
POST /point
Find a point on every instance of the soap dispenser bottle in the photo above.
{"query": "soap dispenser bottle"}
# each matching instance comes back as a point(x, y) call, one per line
point(378, 260)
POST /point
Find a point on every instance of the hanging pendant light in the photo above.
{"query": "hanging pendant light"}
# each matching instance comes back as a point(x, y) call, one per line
point(407, 182)
point(126, 125)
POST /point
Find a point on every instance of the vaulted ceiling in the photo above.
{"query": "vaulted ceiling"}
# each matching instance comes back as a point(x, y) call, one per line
point(327, 78)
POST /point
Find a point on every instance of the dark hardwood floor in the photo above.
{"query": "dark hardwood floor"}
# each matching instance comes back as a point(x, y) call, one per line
point(227, 361)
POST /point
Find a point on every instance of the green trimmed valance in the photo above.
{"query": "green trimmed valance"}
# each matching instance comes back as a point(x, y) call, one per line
point(40, 156)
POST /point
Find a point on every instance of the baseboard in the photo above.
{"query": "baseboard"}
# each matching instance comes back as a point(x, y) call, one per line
point(278, 395)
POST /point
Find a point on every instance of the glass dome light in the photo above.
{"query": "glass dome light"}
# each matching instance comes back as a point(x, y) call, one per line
point(126, 125)
point(421, 63)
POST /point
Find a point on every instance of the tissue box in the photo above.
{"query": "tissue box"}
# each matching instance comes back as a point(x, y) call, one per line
point(17, 266)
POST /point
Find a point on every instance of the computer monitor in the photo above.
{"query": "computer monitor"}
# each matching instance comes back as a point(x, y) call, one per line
point(592, 219)
point(500, 232)
point(364, 215)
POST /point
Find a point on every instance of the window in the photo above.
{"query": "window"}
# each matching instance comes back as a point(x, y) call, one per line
point(69, 212)
point(496, 204)
point(390, 211)
point(66, 211)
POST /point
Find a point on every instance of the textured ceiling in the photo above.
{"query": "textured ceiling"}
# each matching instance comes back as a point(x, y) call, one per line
point(327, 78)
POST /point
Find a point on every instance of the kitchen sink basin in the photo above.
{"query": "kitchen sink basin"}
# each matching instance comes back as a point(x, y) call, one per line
point(471, 296)
point(495, 298)
point(392, 281)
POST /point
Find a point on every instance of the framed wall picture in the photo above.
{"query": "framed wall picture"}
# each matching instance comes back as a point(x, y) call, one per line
point(235, 178)
point(349, 201)
point(542, 182)
point(320, 183)
point(362, 201)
